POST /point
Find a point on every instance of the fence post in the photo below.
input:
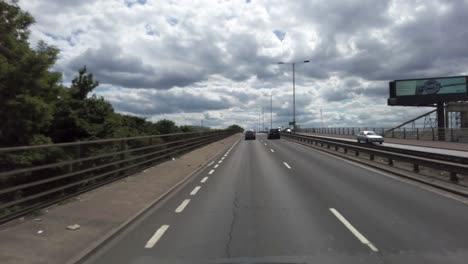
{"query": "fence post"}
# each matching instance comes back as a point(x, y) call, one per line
point(453, 177)
point(451, 135)
point(404, 133)
point(417, 133)
point(393, 133)
point(433, 135)
point(123, 147)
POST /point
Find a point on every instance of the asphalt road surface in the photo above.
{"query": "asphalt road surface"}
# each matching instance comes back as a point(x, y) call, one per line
point(274, 201)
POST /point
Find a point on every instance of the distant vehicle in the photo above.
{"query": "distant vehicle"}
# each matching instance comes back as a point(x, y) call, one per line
point(369, 137)
point(250, 134)
point(288, 130)
point(274, 134)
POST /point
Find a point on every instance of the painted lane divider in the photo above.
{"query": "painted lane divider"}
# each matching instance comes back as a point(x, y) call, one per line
point(216, 166)
point(157, 235)
point(353, 230)
point(211, 172)
point(287, 165)
point(182, 206)
point(272, 150)
point(204, 180)
point(195, 190)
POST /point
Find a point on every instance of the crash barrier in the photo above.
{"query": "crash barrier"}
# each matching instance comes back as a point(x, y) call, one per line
point(432, 134)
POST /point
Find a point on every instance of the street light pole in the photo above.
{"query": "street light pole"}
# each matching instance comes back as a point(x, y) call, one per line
point(263, 118)
point(294, 97)
point(271, 111)
point(294, 90)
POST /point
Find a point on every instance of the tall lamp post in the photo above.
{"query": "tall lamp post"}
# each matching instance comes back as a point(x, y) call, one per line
point(294, 89)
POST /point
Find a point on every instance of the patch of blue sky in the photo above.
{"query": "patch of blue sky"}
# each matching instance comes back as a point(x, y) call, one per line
point(279, 34)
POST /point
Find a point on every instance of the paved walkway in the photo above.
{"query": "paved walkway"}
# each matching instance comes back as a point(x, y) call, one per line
point(45, 239)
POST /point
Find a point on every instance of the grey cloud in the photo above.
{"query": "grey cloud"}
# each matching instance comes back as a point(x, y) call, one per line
point(110, 66)
point(167, 102)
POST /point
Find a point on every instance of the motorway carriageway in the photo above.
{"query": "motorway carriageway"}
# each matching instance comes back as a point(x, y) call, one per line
point(458, 153)
point(275, 201)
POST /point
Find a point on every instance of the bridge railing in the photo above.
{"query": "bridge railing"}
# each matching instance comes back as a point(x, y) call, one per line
point(451, 134)
point(32, 177)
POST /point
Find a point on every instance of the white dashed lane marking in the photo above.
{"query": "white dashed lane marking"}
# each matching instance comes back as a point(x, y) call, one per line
point(157, 235)
point(195, 190)
point(182, 206)
point(353, 230)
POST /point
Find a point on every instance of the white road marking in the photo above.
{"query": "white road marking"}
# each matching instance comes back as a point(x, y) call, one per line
point(287, 165)
point(204, 180)
point(211, 163)
point(272, 150)
point(182, 206)
point(353, 230)
point(216, 166)
point(223, 158)
point(211, 172)
point(195, 190)
point(265, 144)
point(220, 161)
point(157, 235)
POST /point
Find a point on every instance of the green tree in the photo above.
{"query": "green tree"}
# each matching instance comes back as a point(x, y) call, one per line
point(83, 84)
point(28, 90)
point(236, 128)
point(166, 127)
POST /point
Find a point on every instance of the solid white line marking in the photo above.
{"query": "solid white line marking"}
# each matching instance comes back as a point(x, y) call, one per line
point(272, 150)
point(195, 190)
point(216, 166)
point(287, 165)
point(211, 172)
point(204, 180)
point(211, 163)
point(157, 235)
point(182, 206)
point(353, 230)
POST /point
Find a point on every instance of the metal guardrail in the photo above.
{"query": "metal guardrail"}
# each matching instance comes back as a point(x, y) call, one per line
point(32, 177)
point(432, 134)
point(438, 156)
point(452, 164)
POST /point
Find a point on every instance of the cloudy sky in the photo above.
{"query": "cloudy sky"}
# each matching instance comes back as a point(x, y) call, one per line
point(216, 60)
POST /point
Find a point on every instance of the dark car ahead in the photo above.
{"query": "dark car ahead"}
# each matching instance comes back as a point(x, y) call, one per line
point(274, 134)
point(249, 134)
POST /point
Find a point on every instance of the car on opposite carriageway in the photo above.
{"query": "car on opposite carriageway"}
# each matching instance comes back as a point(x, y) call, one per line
point(369, 137)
